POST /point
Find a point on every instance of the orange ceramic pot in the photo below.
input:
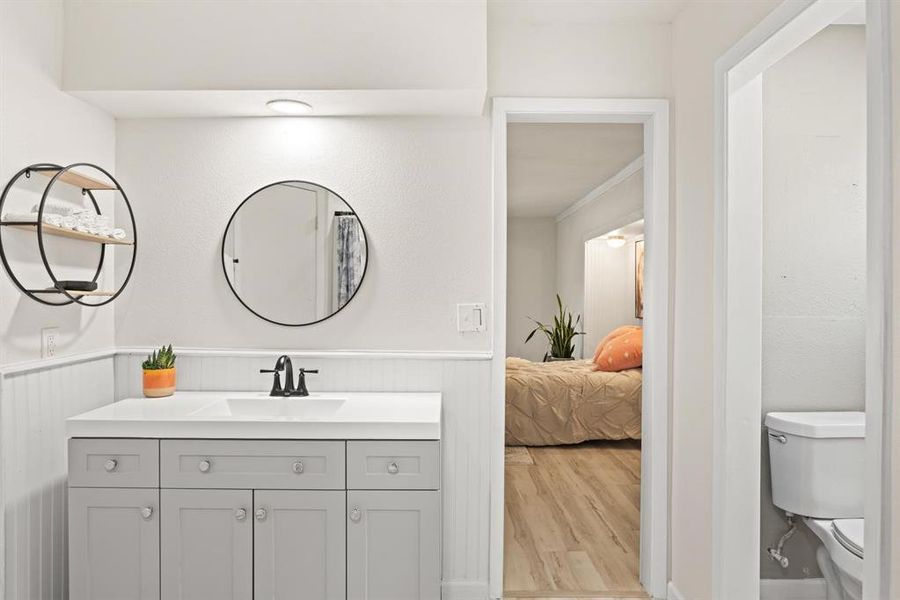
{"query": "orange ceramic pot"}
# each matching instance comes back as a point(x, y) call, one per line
point(159, 382)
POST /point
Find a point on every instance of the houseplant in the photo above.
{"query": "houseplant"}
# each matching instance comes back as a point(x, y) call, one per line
point(560, 335)
point(159, 373)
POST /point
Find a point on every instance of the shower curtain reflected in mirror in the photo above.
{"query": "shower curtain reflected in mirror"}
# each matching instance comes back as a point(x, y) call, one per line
point(350, 252)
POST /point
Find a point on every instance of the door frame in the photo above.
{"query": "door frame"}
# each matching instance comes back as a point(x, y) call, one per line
point(653, 114)
point(737, 411)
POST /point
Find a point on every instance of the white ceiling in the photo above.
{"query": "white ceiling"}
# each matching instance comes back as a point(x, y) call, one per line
point(585, 12)
point(553, 165)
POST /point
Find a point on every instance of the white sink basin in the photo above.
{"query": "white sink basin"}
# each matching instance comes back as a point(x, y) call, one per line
point(272, 408)
point(256, 415)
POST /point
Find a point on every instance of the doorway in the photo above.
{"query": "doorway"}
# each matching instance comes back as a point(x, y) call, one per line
point(652, 115)
point(739, 316)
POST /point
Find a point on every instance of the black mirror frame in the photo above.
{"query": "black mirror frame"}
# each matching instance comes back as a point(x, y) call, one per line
point(225, 267)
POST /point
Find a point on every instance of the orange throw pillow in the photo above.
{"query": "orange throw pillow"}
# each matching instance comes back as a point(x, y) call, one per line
point(623, 352)
point(612, 335)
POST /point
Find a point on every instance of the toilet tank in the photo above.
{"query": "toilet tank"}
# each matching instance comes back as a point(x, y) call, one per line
point(817, 461)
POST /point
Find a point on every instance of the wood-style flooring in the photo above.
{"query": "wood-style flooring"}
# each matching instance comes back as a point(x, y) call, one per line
point(573, 522)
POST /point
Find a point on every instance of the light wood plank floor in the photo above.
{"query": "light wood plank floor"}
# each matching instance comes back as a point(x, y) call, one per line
point(573, 522)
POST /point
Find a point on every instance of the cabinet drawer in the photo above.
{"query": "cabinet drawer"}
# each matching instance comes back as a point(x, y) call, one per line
point(394, 465)
point(123, 463)
point(252, 464)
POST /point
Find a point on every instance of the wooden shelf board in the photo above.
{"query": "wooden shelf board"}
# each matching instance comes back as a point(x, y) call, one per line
point(71, 233)
point(73, 292)
point(78, 180)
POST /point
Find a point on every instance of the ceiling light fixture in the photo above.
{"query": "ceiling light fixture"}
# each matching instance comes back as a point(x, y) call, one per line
point(615, 241)
point(284, 106)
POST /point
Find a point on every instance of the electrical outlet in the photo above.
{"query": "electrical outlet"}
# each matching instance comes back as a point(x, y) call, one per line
point(49, 337)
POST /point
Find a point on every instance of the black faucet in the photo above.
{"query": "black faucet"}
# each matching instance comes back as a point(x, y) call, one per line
point(284, 364)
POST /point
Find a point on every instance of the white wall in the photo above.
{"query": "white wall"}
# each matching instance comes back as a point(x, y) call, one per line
point(574, 57)
point(608, 289)
point(39, 123)
point(702, 32)
point(531, 284)
point(421, 187)
point(275, 45)
point(814, 247)
point(618, 207)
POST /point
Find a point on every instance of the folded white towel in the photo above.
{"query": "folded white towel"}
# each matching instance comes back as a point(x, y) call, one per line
point(57, 208)
point(20, 217)
point(117, 233)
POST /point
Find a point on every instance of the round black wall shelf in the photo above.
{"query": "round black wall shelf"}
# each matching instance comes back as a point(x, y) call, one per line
point(88, 185)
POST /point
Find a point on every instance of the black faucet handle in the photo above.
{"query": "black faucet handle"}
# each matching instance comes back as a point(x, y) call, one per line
point(276, 383)
point(302, 370)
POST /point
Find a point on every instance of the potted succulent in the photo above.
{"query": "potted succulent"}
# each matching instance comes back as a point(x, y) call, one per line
point(560, 335)
point(159, 373)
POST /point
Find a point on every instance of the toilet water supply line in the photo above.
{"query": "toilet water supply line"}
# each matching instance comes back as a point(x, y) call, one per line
point(775, 553)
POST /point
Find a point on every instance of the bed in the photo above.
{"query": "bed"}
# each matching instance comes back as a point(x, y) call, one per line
point(567, 402)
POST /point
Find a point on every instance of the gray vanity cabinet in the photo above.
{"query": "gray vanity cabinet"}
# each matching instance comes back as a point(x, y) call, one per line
point(300, 544)
point(113, 544)
point(183, 519)
point(393, 545)
point(206, 539)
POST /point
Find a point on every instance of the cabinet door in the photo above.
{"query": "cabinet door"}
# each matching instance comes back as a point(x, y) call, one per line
point(113, 544)
point(299, 545)
point(393, 545)
point(207, 544)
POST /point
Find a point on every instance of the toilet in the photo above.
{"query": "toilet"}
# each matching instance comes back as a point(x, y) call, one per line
point(817, 462)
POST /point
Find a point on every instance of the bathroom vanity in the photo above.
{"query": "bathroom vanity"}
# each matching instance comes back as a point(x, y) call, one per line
point(244, 496)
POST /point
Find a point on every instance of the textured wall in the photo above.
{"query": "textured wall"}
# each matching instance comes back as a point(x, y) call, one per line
point(42, 124)
point(703, 31)
point(421, 187)
point(814, 248)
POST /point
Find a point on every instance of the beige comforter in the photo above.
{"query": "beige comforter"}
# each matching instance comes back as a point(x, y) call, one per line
point(568, 402)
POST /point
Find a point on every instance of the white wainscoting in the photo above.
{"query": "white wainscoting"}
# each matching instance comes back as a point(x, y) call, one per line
point(34, 403)
point(464, 380)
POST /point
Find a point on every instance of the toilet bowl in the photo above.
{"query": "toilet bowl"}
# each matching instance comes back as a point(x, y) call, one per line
point(817, 462)
point(840, 557)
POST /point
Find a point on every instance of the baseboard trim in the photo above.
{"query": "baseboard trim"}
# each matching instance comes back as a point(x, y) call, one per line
point(792, 589)
point(464, 590)
point(672, 593)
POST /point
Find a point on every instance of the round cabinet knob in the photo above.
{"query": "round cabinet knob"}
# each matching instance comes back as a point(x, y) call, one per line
point(355, 514)
point(204, 466)
point(261, 514)
point(111, 465)
point(297, 467)
point(393, 468)
point(146, 512)
point(240, 514)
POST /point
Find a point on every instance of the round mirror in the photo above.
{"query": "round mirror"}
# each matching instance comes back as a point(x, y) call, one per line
point(294, 253)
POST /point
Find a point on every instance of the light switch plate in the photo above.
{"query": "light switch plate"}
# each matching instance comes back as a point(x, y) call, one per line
point(470, 317)
point(49, 336)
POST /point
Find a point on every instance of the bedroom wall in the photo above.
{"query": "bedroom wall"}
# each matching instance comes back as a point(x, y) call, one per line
point(814, 247)
point(531, 283)
point(608, 289)
point(39, 123)
point(619, 206)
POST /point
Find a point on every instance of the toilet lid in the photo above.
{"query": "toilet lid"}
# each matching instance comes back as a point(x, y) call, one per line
point(849, 532)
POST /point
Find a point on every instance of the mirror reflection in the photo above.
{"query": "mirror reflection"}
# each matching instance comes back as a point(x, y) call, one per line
point(294, 253)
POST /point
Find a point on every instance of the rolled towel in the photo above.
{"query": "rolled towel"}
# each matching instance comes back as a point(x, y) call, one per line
point(117, 233)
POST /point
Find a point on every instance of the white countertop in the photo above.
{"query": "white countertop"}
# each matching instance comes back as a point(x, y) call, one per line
point(256, 415)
